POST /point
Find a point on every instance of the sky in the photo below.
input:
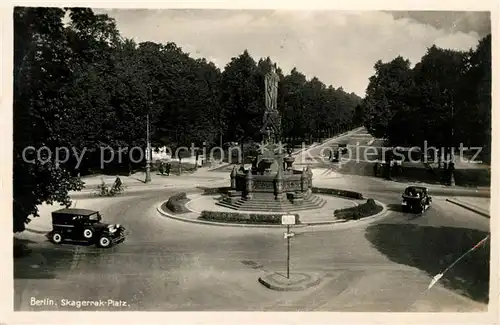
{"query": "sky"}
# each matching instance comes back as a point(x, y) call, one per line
point(338, 47)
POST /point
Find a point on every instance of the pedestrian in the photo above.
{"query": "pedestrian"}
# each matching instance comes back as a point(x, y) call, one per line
point(162, 167)
point(168, 168)
point(395, 168)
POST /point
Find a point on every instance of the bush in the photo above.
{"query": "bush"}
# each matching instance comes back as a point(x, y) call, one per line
point(361, 211)
point(245, 218)
point(214, 190)
point(343, 193)
point(177, 203)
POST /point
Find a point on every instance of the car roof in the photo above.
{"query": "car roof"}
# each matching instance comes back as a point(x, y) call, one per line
point(72, 211)
point(416, 187)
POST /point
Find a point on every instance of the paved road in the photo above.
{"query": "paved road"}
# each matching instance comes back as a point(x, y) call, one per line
point(168, 265)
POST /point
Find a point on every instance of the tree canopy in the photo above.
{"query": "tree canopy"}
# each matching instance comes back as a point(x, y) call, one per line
point(445, 99)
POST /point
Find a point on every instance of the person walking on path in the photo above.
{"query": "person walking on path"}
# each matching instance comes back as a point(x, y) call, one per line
point(167, 169)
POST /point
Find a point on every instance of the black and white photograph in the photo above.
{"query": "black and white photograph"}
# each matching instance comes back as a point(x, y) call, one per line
point(251, 160)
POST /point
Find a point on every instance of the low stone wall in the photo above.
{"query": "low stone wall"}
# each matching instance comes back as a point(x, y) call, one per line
point(317, 190)
point(338, 192)
point(214, 190)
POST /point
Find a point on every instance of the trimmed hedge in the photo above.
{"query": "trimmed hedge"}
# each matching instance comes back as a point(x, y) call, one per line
point(214, 190)
point(361, 211)
point(245, 218)
point(177, 203)
point(337, 192)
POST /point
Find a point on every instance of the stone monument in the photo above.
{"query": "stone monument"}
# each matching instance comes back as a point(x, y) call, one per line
point(271, 184)
point(271, 126)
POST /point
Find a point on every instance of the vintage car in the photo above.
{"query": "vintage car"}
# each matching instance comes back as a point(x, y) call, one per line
point(343, 148)
point(416, 199)
point(337, 153)
point(83, 225)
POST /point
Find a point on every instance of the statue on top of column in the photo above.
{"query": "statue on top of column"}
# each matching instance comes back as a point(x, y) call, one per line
point(271, 122)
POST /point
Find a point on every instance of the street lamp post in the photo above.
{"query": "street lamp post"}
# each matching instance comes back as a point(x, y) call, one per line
point(148, 142)
point(451, 165)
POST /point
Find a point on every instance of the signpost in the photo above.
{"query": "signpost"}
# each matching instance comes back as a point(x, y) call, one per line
point(287, 220)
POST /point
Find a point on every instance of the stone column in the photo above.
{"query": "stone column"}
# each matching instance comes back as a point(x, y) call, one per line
point(248, 185)
point(233, 178)
point(303, 181)
point(309, 178)
point(278, 185)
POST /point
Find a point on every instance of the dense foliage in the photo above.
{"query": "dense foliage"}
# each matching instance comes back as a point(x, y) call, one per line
point(82, 86)
point(445, 99)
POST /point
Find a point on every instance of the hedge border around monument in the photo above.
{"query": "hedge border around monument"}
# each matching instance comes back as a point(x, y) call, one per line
point(367, 209)
point(244, 218)
point(177, 203)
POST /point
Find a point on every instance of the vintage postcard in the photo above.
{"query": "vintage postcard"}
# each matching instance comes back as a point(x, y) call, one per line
point(215, 157)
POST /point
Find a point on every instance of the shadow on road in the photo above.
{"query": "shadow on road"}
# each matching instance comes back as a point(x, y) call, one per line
point(433, 249)
point(395, 208)
point(35, 260)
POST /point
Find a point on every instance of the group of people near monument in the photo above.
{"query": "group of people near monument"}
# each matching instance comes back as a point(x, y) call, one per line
point(165, 167)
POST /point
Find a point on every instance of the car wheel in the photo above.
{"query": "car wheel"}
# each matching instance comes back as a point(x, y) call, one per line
point(56, 238)
point(88, 233)
point(104, 242)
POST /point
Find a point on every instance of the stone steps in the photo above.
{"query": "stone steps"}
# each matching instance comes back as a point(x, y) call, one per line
point(261, 205)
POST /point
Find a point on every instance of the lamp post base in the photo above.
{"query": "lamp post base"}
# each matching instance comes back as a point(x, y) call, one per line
point(148, 174)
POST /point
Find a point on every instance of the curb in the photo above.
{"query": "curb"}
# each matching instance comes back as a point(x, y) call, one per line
point(370, 218)
point(468, 207)
point(310, 281)
point(38, 232)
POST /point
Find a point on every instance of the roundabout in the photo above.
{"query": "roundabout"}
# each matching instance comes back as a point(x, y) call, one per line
point(198, 206)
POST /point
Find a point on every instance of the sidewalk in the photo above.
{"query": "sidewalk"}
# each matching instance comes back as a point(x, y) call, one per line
point(480, 206)
point(137, 179)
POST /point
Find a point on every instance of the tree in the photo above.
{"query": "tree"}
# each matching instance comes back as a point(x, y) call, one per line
point(242, 98)
point(40, 72)
point(386, 100)
point(444, 100)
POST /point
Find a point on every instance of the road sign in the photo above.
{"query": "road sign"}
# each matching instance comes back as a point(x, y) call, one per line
point(288, 234)
point(288, 219)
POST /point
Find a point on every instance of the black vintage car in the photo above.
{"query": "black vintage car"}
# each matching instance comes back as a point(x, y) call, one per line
point(416, 199)
point(343, 148)
point(84, 225)
point(336, 153)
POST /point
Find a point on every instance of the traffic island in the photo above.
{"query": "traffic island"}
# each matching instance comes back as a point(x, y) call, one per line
point(295, 282)
point(202, 208)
